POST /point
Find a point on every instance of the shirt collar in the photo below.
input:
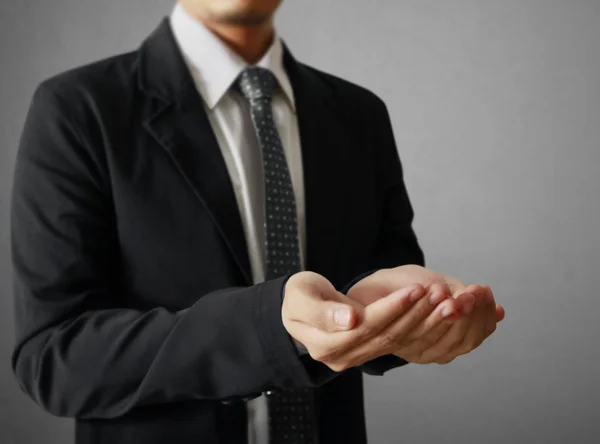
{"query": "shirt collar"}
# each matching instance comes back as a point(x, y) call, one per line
point(214, 65)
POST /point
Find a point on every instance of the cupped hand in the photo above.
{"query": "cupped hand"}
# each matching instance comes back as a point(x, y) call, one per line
point(437, 339)
point(342, 333)
point(385, 281)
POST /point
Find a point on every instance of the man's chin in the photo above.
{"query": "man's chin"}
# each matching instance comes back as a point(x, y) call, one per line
point(243, 18)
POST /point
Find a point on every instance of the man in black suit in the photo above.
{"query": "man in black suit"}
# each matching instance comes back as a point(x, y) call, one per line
point(212, 242)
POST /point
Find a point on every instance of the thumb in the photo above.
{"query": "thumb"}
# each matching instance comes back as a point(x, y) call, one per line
point(317, 303)
point(333, 311)
point(331, 316)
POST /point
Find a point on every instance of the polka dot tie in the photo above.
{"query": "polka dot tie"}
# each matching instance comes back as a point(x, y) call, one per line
point(291, 413)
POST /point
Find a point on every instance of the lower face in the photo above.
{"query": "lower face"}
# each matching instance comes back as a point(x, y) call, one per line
point(243, 12)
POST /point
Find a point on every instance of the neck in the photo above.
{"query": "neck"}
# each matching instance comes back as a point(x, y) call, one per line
point(250, 42)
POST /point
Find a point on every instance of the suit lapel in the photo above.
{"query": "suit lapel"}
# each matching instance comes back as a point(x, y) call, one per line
point(324, 154)
point(178, 122)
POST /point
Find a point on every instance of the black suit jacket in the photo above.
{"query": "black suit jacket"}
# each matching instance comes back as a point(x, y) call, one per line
point(135, 309)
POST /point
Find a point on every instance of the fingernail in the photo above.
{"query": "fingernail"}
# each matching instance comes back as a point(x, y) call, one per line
point(415, 295)
point(436, 297)
point(447, 312)
point(469, 307)
point(341, 316)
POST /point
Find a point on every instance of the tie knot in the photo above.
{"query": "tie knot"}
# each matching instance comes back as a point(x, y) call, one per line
point(257, 83)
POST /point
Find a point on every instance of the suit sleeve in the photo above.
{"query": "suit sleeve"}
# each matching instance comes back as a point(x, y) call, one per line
point(79, 351)
point(397, 244)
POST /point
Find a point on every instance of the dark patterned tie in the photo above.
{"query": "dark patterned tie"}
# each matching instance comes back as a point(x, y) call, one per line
point(291, 413)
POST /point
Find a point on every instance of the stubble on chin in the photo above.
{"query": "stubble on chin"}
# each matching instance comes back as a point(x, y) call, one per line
point(245, 18)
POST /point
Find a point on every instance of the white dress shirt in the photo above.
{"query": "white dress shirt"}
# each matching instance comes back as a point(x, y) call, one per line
point(215, 68)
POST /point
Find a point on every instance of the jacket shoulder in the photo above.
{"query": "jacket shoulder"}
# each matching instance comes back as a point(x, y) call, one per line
point(348, 92)
point(109, 77)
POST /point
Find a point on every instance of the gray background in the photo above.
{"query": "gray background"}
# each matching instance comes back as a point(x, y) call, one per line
point(496, 109)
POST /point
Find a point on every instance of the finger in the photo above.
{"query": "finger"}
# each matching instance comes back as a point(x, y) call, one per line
point(334, 346)
point(445, 360)
point(483, 322)
point(500, 313)
point(416, 348)
point(444, 315)
point(328, 312)
point(436, 294)
point(465, 302)
point(478, 292)
point(376, 316)
point(449, 342)
point(473, 331)
point(386, 340)
point(492, 317)
point(488, 296)
point(426, 335)
point(483, 325)
point(476, 334)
